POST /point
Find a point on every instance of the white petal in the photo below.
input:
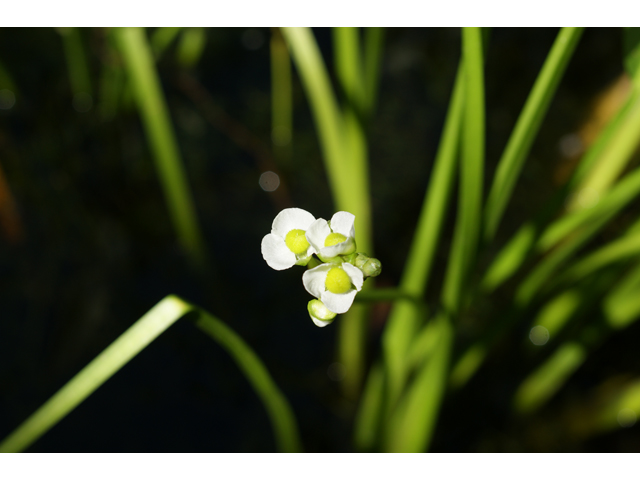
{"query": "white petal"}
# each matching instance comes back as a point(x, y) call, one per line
point(317, 233)
point(291, 219)
point(337, 249)
point(355, 274)
point(276, 253)
point(343, 222)
point(320, 323)
point(338, 302)
point(314, 279)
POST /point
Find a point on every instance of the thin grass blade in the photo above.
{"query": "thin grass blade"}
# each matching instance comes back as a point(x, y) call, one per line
point(326, 114)
point(413, 422)
point(404, 318)
point(373, 48)
point(467, 228)
point(280, 413)
point(79, 76)
point(191, 45)
point(547, 380)
point(281, 98)
point(368, 417)
point(90, 378)
point(133, 341)
point(155, 117)
point(161, 38)
point(527, 126)
point(513, 255)
point(611, 163)
point(631, 44)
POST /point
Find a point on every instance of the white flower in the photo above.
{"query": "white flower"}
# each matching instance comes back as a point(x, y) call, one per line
point(320, 314)
point(334, 238)
point(287, 244)
point(335, 285)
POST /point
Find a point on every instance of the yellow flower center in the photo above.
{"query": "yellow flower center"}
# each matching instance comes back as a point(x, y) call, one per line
point(337, 281)
point(334, 239)
point(296, 241)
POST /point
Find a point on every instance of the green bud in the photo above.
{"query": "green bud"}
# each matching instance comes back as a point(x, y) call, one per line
point(318, 311)
point(371, 267)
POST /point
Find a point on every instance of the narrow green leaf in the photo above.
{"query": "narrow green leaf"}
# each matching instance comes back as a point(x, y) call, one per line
point(161, 38)
point(467, 228)
point(155, 117)
point(112, 359)
point(344, 149)
point(620, 249)
point(611, 163)
point(326, 114)
point(404, 317)
point(348, 68)
point(631, 45)
point(557, 312)
point(411, 427)
point(621, 305)
point(132, 342)
point(282, 419)
point(281, 98)
point(527, 126)
point(191, 46)
point(547, 380)
point(79, 76)
point(621, 410)
point(522, 244)
point(373, 47)
point(367, 421)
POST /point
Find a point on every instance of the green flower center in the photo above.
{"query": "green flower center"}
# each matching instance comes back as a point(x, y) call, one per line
point(334, 239)
point(337, 281)
point(296, 241)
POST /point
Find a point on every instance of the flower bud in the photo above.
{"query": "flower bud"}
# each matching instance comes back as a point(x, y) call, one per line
point(371, 267)
point(320, 314)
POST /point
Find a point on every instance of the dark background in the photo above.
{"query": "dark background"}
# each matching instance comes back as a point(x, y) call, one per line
point(96, 248)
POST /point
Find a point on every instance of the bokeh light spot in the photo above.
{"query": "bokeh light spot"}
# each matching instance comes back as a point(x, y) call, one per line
point(269, 181)
point(571, 145)
point(539, 335)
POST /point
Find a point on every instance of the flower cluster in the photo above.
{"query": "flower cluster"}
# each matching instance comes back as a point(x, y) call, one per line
point(338, 272)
